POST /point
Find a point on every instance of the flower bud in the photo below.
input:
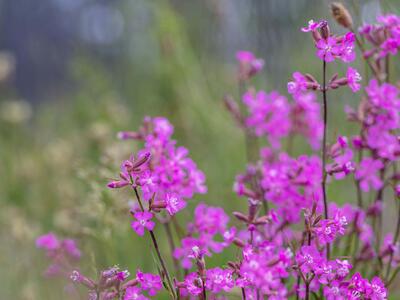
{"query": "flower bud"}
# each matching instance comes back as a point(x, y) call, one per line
point(324, 29)
point(341, 15)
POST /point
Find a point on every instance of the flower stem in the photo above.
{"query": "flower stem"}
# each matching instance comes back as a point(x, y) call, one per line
point(156, 248)
point(323, 154)
point(172, 248)
point(395, 238)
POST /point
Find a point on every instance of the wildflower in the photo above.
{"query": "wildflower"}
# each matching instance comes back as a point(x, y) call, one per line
point(353, 79)
point(149, 282)
point(376, 290)
point(193, 284)
point(174, 203)
point(219, 280)
point(268, 115)
point(308, 258)
point(311, 26)
point(134, 293)
point(143, 221)
point(249, 65)
point(328, 49)
point(366, 174)
point(48, 241)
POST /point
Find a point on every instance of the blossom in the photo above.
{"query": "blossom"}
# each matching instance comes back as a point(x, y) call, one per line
point(366, 173)
point(134, 293)
point(249, 65)
point(48, 241)
point(311, 26)
point(143, 220)
point(298, 85)
point(174, 203)
point(268, 115)
point(149, 282)
point(193, 284)
point(376, 290)
point(218, 279)
point(308, 258)
point(306, 118)
point(328, 229)
point(347, 48)
point(353, 79)
point(328, 49)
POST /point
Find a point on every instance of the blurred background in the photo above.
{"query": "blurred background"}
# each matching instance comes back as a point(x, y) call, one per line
point(75, 72)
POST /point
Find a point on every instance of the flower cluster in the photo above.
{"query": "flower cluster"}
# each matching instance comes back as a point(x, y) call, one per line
point(331, 47)
point(210, 223)
point(384, 36)
point(292, 240)
point(169, 171)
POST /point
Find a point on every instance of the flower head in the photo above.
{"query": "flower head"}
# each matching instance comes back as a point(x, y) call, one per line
point(143, 221)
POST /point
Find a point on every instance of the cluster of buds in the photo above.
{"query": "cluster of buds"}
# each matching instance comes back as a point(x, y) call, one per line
point(252, 220)
point(111, 284)
point(311, 220)
point(342, 156)
point(131, 170)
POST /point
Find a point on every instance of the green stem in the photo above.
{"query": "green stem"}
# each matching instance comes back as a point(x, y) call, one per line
point(156, 248)
point(323, 184)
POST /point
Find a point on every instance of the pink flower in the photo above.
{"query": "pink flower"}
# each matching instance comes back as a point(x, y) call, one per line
point(376, 290)
point(311, 26)
point(143, 221)
point(308, 258)
point(149, 282)
point(71, 248)
point(366, 173)
point(48, 241)
point(353, 79)
point(218, 280)
point(249, 65)
point(194, 284)
point(328, 49)
point(298, 85)
point(347, 47)
point(268, 115)
point(174, 203)
point(134, 293)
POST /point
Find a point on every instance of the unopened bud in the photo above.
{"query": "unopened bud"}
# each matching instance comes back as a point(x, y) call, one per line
point(341, 15)
point(324, 29)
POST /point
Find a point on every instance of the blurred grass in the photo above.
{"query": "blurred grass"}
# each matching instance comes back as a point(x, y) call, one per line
point(54, 165)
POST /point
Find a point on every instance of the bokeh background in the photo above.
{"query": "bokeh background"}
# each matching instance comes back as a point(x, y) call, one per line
point(74, 72)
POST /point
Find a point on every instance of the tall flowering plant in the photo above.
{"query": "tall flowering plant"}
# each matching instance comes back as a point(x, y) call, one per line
point(293, 241)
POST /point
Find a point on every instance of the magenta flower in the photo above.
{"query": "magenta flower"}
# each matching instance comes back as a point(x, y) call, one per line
point(376, 290)
point(328, 49)
point(366, 173)
point(311, 26)
point(149, 282)
point(249, 65)
point(194, 284)
point(174, 203)
point(353, 79)
point(48, 241)
point(308, 258)
point(268, 115)
point(298, 85)
point(143, 221)
point(347, 47)
point(218, 280)
point(71, 248)
point(134, 293)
